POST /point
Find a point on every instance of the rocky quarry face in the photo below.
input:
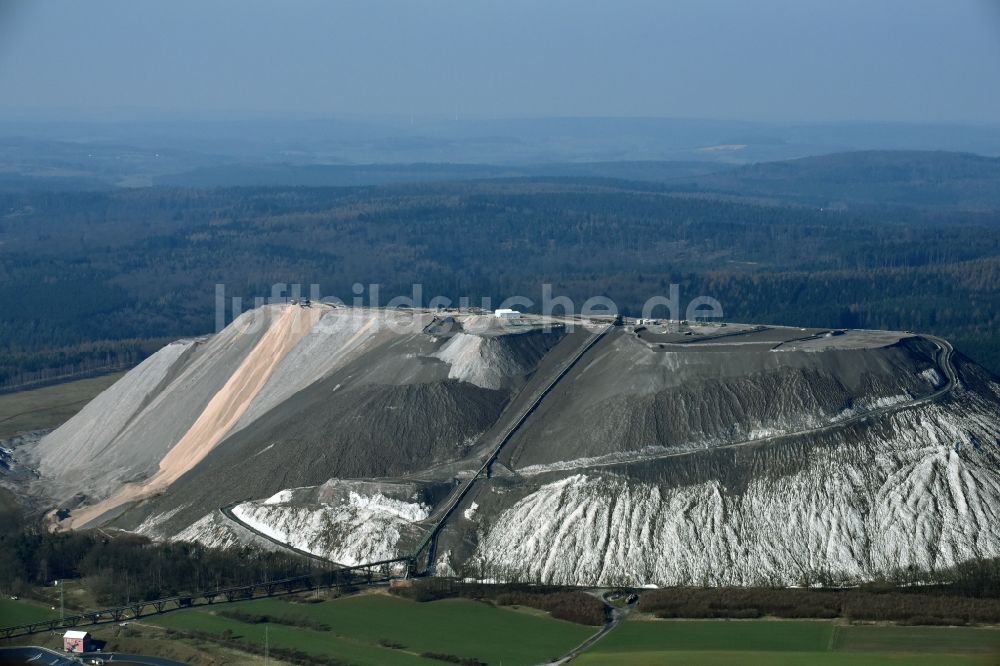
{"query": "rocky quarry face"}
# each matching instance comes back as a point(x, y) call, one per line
point(550, 450)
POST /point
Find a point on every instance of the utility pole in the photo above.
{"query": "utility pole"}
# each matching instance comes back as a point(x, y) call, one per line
point(267, 645)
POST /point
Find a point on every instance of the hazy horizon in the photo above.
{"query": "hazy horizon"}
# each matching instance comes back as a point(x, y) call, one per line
point(908, 62)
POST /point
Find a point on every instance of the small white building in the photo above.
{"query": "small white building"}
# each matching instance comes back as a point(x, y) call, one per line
point(506, 313)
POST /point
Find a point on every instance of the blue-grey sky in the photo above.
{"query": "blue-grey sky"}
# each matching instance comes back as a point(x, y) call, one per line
point(899, 60)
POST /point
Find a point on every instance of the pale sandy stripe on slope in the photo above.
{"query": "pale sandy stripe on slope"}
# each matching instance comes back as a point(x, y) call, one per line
point(220, 414)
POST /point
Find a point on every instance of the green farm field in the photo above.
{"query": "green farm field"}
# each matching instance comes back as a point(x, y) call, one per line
point(791, 643)
point(376, 629)
point(48, 407)
point(21, 612)
point(361, 628)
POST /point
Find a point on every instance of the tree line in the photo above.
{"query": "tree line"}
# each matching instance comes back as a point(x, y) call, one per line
point(124, 568)
point(966, 594)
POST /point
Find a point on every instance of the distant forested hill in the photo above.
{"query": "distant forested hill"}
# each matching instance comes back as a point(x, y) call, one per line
point(92, 279)
point(899, 178)
point(912, 179)
point(336, 175)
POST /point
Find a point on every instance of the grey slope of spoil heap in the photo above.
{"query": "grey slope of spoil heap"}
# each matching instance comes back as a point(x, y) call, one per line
point(123, 433)
point(641, 456)
point(688, 492)
point(357, 400)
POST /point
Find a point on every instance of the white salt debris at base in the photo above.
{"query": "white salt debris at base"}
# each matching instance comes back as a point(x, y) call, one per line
point(871, 405)
point(471, 511)
point(208, 532)
point(216, 531)
point(885, 401)
point(279, 497)
point(933, 377)
point(763, 433)
point(854, 511)
point(442, 566)
point(362, 528)
point(151, 525)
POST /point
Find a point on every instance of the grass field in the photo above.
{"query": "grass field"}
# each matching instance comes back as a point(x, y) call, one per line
point(359, 624)
point(359, 628)
point(791, 643)
point(44, 408)
point(22, 612)
point(918, 639)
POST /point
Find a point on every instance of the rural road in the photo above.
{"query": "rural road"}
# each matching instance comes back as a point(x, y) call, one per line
point(617, 615)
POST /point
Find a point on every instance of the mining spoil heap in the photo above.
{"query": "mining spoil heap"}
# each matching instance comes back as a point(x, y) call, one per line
point(553, 449)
